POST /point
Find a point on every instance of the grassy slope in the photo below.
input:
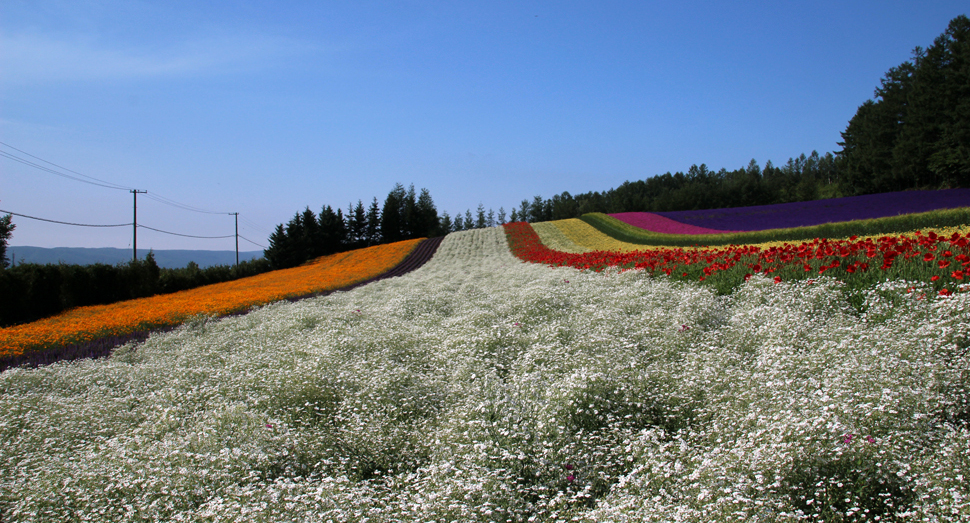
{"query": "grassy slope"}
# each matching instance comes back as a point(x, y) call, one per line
point(480, 388)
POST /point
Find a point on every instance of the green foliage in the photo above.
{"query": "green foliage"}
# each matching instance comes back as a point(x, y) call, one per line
point(306, 236)
point(858, 483)
point(877, 226)
point(6, 230)
point(916, 134)
point(803, 178)
point(32, 291)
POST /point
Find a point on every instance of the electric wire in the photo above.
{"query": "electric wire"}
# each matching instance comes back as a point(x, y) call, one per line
point(65, 223)
point(173, 203)
point(252, 242)
point(5, 154)
point(109, 185)
point(99, 182)
point(140, 226)
point(102, 183)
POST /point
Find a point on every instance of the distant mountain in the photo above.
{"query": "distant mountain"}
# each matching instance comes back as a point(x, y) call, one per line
point(164, 258)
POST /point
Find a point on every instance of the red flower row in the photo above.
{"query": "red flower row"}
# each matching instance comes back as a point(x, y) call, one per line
point(821, 255)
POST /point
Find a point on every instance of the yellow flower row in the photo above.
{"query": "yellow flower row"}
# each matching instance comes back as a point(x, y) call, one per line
point(553, 237)
point(576, 236)
point(589, 238)
point(92, 322)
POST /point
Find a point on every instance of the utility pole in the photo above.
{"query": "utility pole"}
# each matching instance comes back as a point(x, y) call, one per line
point(134, 224)
point(236, 214)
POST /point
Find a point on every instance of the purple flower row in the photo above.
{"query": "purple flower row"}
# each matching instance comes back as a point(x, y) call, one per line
point(803, 214)
point(657, 223)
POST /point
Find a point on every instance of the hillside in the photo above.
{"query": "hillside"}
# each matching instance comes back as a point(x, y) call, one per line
point(481, 388)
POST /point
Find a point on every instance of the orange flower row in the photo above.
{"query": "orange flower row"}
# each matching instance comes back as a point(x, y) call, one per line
point(88, 323)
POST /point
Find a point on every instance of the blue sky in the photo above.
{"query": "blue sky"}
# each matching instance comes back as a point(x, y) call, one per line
point(265, 108)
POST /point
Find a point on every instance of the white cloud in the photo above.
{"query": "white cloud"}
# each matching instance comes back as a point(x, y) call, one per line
point(38, 58)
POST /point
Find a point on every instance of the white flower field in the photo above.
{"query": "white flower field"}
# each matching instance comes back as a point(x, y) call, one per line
point(482, 388)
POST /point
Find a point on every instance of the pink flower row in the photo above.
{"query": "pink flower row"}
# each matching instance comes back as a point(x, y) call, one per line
point(656, 223)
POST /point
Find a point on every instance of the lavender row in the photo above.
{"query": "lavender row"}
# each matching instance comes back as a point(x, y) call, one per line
point(654, 222)
point(817, 212)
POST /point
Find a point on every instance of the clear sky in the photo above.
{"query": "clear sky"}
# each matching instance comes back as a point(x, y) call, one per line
point(265, 108)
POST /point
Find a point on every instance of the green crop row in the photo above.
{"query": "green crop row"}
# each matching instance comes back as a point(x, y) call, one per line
point(877, 226)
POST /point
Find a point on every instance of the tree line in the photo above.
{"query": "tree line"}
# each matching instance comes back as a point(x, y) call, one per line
point(406, 214)
point(916, 132)
point(802, 178)
point(32, 291)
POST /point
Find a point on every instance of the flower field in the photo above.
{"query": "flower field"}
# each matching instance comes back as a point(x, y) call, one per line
point(553, 236)
point(482, 388)
point(816, 212)
point(941, 261)
point(656, 223)
point(88, 323)
point(586, 237)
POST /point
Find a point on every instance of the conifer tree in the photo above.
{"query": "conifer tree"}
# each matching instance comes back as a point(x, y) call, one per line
point(425, 216)
point(916, 133)
point(6, 231)
point(481, 221)
point(373, 233)
point(357, 225)
point(444, 225)
point(391, 215)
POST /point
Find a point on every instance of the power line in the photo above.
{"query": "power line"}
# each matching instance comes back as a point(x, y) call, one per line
point(255, 226)
point(109, 185)
point(52, 171)
point(252, 242)
point(173, 203)
point(184, 235)
point(102, 183)
point(63, 223)
point(124, 225)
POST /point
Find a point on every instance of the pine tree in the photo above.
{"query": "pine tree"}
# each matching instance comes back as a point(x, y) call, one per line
point(501, 215)
point(916, 133)
point(357, 225)
point(481, 221)
point(6, 231)
point(425, 216)
point(310, 240)
point(524, 211)
point(333, 233)
point(373, 233)
point(409, 219)
point(444, 225)
point(279, 252)
point(391, 215)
